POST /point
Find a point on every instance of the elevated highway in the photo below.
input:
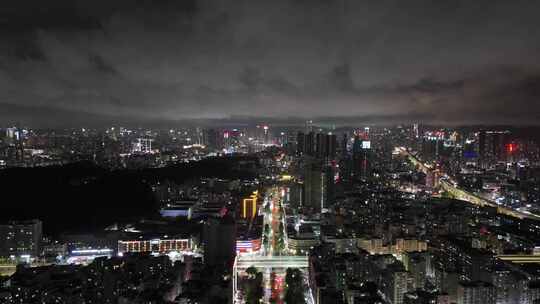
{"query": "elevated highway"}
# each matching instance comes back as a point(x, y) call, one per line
point(462, 194)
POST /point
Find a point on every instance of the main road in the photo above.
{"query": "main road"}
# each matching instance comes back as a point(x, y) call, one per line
point(450, 186)
point(273, 259)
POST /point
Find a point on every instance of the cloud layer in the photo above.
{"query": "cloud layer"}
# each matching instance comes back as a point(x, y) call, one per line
point(381, 61)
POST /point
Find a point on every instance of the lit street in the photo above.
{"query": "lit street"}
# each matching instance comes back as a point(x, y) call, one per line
point(273, 259)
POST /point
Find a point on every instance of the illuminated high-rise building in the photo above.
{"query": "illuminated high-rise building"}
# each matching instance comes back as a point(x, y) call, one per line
point(396, 282)
point(11, 135)
point(314, 186)
point(361, 157)
point(344, 145)
point(300, 143)
point(319, 145)
point(309, 126)
point(329, 186)
point(492, 146)
point(142, 145)
point(325, 146)
point(212, 139)
point(309, 144)
point(432, 146)
point(20, 239)
point(476, 293)
point(289, 142)
point(266, 133)
point(199, 136)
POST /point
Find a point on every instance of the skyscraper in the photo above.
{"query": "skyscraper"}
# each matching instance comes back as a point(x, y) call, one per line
point(329, 189)
point(300, 143)
point(319, 145)
point(344, 145)
point(212, 139)
point(492, 146)
point(326, 146)
point(309, 148)
point(306, 143)
point(396, 282)
point(309, 126)
point(142, 145)
point(360, 158)
point(266, 134)
point(314, 183)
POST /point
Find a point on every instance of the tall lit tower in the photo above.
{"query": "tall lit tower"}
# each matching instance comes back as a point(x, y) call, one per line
point(19, 144)
point(309, 126)
point(142, 145)
point(266, 136)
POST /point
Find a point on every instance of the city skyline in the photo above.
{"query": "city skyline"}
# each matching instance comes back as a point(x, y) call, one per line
point(270, 151)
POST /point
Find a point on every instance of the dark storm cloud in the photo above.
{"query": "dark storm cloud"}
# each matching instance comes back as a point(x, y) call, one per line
point(376, 61)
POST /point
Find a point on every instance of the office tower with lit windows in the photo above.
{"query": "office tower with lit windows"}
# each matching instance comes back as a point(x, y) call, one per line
point(492, 146)
point(142, 145)
point(396, 282)
point(432, 147)
point(320, 145)
point(266, 132)
point(288, 141)
point(20, 238)
point(309, 126)
point(360, 158)
point(476, 293)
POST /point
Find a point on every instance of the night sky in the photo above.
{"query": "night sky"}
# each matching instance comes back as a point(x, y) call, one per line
point(458, 62)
